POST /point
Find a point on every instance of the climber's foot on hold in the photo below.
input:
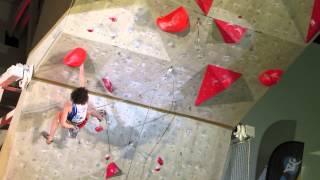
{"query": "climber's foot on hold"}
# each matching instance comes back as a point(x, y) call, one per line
point(73, 132)
point(49, 139)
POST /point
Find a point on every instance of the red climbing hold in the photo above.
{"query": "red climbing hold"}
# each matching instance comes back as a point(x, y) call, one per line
point(81, 125)
point(314, 26)
point(174, 22)
point(270, 77)
point(90, 30)
point(160, 161)
point(112, 170)
point(75, 58)
point(107, 84)
point(216, 80)
point(231, 33)
point(157, 169)
point(99, 128)
point(204, 5)
point(107, 157)
point(113, 19)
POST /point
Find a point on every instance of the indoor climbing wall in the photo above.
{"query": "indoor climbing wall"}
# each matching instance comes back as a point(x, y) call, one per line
point(135, 139)
point(123, 37)
point(174, 76)
point(285, 19)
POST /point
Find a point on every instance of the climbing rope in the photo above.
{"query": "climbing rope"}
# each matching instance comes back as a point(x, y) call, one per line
point(165, 130)
point(144, 122)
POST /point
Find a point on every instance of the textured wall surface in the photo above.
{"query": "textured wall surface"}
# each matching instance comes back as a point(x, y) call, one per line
point(134, 45)
point(284, 19)
point(137, 137)
point(152, 111)
point(300, 12)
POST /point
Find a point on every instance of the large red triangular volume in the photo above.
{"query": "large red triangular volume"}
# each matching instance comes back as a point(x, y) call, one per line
point(205, 5)
point(231, 33)
point(112, 170)
point(174, 22)
point(216, 79)
point(314, 26)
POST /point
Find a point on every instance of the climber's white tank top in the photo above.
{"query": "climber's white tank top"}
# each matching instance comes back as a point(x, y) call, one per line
point(78, 113)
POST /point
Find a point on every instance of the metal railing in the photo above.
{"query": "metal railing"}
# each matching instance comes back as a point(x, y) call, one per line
point(17, 73)
point(238, 165)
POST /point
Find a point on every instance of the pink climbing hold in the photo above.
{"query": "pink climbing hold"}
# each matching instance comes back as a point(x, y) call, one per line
point(107, 157)
point(174, 22)
point(216, 79)
point(270, 77)
point(231, 33)
point(160, 161)
point(107, 84)
point(112, 170)
point(157, 169)
point(113, 19)
point(205, 5)
point(314, 26)
point(75, 57)
point(99, 128)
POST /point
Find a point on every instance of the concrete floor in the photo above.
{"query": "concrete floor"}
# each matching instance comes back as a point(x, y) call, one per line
point(151, 112)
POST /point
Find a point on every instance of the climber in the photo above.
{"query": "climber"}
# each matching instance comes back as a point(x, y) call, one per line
point(76, 111)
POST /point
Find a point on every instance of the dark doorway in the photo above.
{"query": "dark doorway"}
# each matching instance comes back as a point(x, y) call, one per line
point(278, 133)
